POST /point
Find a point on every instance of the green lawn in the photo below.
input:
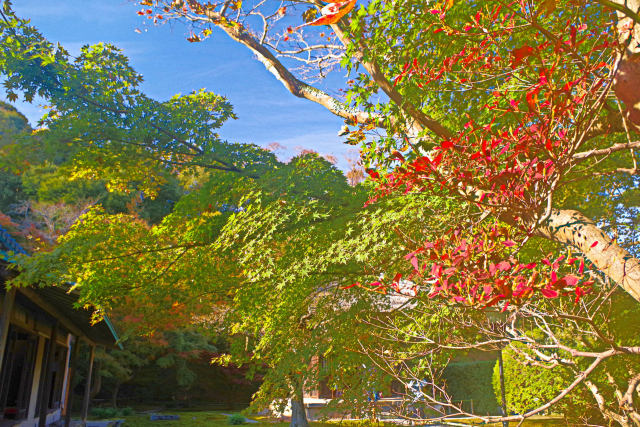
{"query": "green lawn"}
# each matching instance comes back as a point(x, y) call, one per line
point(197, 419)
point(217, 418)
point(536, 421)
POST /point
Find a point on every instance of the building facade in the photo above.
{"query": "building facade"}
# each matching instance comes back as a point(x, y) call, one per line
point(40, 332)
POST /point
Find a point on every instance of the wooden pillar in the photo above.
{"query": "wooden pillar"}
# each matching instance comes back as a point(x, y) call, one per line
point(65, 378)
point(68, 398)
point(5, 318)
point(87, 388)
point(503, 396)
point(46, 383)
point(37, 373)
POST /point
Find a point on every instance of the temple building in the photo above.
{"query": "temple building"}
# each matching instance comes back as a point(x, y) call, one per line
point(40, 333)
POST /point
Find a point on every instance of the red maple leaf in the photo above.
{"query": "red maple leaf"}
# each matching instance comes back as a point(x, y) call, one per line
point(520, 54)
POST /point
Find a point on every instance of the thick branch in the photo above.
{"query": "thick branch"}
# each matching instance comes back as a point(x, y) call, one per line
point(602, 405)
point(628, 171)
point(621, 6)
point(606, 151)
point(297, 87)
point(627, 78)
point(573, 228)
point(609, 123)
point(422, 120)
point(627, 400)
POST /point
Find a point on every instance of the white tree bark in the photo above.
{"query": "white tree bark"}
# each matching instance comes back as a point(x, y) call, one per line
point(627, 79)
point(574, 229)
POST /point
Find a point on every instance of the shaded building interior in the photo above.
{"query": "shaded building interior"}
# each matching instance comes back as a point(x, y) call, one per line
point(41, 329)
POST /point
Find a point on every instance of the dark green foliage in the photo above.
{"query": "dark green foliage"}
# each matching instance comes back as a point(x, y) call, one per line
point(469, 382)
point(127, 411)
point(46, 182)
point(527, 387)
point(104, 413)
point(10, 190)
point(12, 124)
point(236, 419)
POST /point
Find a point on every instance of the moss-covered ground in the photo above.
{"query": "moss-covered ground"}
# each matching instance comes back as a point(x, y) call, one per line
point(221, 418)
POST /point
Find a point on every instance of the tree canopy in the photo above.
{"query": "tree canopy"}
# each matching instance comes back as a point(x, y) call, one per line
point(500, 141)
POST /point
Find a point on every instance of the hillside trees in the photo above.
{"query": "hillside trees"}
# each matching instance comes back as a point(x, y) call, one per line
point(12, 124)
point(189, 267)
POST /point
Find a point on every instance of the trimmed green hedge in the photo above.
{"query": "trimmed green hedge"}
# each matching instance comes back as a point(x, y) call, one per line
point(470, 383)
point(527, 387)
point(236, 419)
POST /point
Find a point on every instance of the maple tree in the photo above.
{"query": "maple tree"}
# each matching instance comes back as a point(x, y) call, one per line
point(224, 256)
point(505, 108)
point(535, 81)
point(524, 111)
point(190, 266)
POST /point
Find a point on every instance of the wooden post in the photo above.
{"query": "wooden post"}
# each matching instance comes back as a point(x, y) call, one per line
point(68, 398)
point(46, 380)
point(87, 389)
point(502, 390)
point(5, 318)
point(37, 375)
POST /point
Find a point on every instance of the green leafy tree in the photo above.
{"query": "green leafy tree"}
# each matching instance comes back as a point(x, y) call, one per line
point(196, 262)
point(13, 125)
point(204, 239)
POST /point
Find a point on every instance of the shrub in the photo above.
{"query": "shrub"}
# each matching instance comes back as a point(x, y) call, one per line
point(104, 412)
point(111, 412)
point(469, 383)
point(236, 419)
point(527, 387)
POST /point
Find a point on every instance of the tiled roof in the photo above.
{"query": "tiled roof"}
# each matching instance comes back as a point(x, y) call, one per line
point(8, 243)
point(101, 333)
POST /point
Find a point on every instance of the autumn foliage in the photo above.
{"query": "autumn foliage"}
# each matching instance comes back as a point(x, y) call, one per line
point(542, 105)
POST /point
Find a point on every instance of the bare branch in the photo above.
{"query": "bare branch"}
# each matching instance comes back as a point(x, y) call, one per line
point(241, 34)
point(607, 151)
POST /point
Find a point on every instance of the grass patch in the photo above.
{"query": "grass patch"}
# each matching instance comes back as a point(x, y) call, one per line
point(219, 419)
point(535, 421)
point(200, 419)
point(187, 419)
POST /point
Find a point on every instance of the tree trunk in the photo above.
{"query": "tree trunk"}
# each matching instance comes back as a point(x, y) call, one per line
point(606, 413)
point(573, 228)
point(114, 395)
point(298, 413)
point(627, 78)
point(96, 384)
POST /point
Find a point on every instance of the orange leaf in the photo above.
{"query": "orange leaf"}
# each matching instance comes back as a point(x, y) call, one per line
point(520, 54)
point(333, 12)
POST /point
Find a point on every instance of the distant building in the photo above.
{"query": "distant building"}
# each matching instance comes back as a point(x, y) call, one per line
point(40, 332)
point(319, 395)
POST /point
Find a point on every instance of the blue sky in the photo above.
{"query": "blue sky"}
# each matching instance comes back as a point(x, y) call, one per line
point(267, 111)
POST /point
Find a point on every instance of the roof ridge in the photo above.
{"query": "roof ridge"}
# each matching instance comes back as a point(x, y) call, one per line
point(10, 243)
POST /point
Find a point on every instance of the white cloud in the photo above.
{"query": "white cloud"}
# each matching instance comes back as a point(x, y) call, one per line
point(95, 11)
